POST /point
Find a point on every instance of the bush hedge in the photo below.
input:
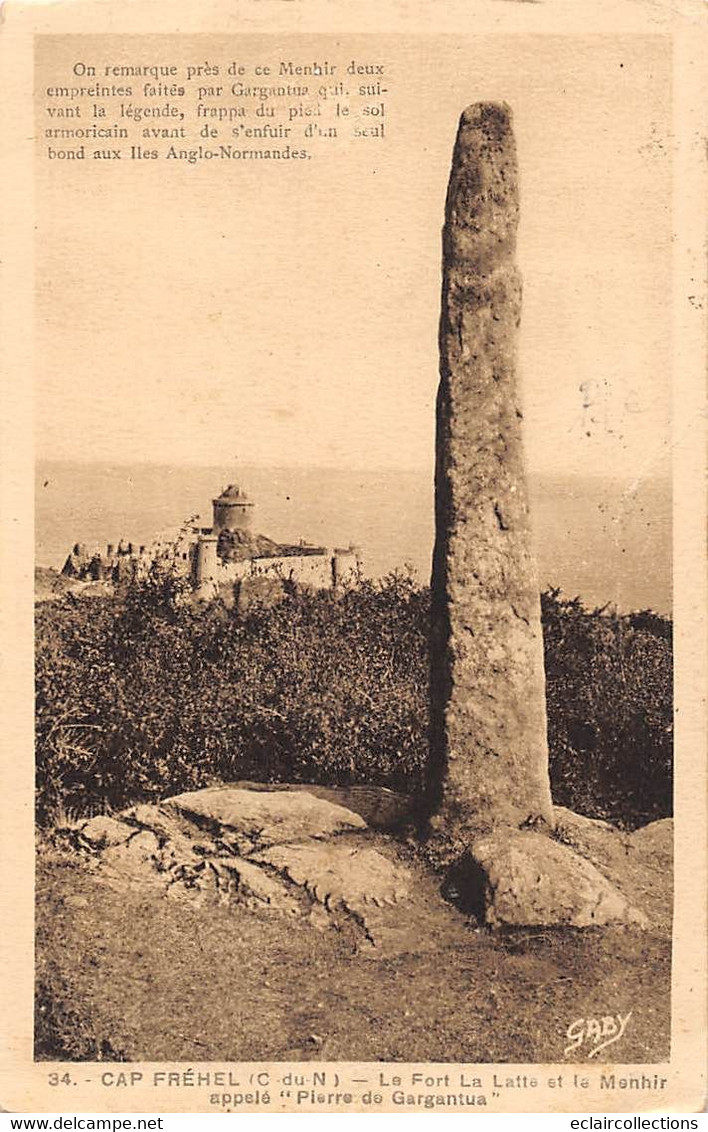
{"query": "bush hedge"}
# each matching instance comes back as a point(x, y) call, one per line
point(139, 695)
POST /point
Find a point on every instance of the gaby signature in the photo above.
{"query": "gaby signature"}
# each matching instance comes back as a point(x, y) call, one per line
point(598, 1033)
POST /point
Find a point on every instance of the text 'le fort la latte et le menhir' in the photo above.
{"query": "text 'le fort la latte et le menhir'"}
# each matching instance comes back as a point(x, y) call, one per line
point(256, 102)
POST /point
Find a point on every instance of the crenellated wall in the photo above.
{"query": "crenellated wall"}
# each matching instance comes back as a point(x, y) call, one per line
point(196, 558)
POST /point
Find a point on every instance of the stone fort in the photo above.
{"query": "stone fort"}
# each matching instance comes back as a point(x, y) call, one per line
point(227, 554)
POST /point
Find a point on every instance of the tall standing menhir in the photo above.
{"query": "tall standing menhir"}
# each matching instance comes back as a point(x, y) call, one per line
point(490, 789)
point(489, 756)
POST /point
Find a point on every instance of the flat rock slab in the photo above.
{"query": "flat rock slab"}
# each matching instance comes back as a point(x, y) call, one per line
point(396, 910)
point(341, 875)
point(380, 807)
point(526, 878)
point(272, 818)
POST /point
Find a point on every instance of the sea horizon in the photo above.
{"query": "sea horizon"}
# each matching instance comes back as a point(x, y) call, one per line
point(593, 534)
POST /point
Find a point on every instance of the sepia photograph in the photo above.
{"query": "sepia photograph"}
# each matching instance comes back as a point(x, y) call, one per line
point(354, 569)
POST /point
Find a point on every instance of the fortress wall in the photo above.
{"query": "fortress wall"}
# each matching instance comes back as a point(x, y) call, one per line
point(346, 568)
point(321, 571)
point(315, 570)
point(309, 569)
point(234, 571)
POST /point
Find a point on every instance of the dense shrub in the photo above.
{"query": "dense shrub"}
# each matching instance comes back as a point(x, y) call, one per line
point(139, 696)
point(609, 699)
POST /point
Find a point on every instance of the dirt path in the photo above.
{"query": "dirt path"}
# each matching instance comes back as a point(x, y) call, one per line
point(132, 976)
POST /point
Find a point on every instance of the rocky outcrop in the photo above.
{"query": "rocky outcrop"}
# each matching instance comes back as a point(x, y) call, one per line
point(489, 754)
point(587, 873)
point(293, 853)
point(286, 853)
point(262, 819)
point(102, 831)
point(358, 880)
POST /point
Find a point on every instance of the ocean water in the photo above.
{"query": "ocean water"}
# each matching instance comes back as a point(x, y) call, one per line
point(603, 540)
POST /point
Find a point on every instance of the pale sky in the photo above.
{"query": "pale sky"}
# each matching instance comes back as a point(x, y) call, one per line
point(277, 314)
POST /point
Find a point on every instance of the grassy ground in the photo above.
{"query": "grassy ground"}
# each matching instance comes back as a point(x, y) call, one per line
point(132, 976)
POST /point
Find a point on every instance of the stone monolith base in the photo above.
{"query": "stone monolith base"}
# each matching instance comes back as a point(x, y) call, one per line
point(489, 754)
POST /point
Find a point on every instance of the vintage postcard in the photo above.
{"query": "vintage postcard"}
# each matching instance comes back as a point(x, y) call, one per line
point(353, 592)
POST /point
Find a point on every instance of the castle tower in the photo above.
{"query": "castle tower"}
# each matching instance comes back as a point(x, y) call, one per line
point(205, 562)
point(233, 510)
point(346, 566)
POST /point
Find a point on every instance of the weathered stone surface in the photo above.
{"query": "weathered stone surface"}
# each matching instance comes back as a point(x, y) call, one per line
point(357, 880)
point(489, 756)
point(380, 807)
point(265, 818)
point(639, 864)
point(600, 842)
point(319, 918)
point(102, 831)
point(656, 838)
point(162, 822)
point(255, 885)
point(341, 875)
point(527, 878)
point(196, 883)
point(133, 858)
